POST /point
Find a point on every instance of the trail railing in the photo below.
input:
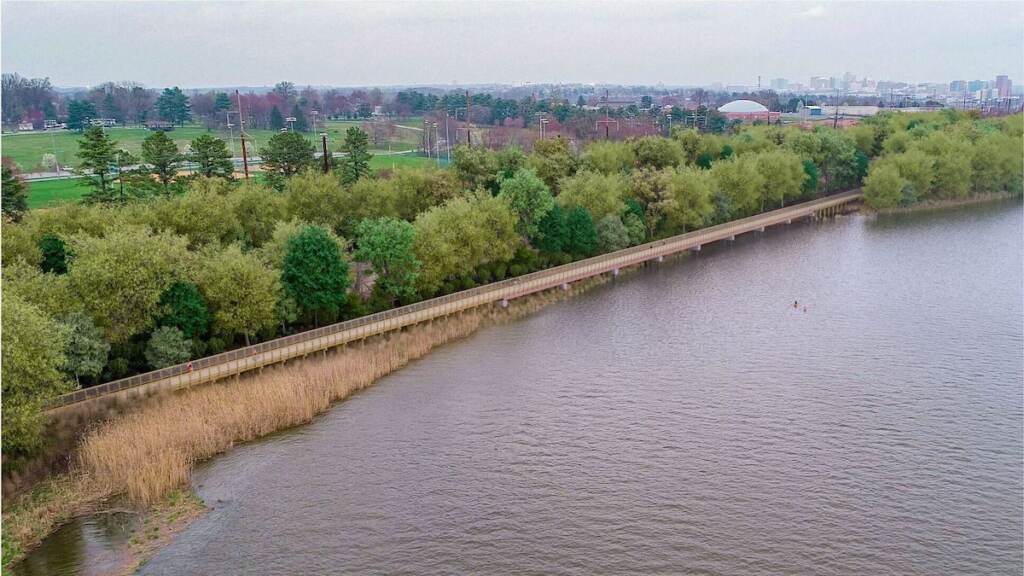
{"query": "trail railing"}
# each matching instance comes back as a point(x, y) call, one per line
point(281, 349)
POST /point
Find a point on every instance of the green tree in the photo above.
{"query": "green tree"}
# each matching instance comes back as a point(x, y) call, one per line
point(783, 175)
point(417, 189)
point(204, 216)
point(314, 274)
point(510, 160)
point(300, 119)
point(166, 347)
point(212, 156)
point(653, 189)
point(918, 169)
point(739, 187)
point(80, 112)
point(182, 306)
point(552, 160)
point(33, 359)
point(356, 162)
point(285, 155)
point(600, 193)
point(609, 157)
point(552, 233)
point(119, 278)
point(810, 185)
point(258, 209)
point(476, 167)
point(635, 228)
point(692, 205)
point(883, 187)
point(657, 152)
point(86, 350)
point(611, 234)
point(529, 198)
point(97, 153)
point(50, 293)
point(275, 249)
point(162, 156)
point(276, 119)
point(15, 196)
point(581, 235)
point(173, 106)
point(221, 102)
point(387, 244)
point(318, 198)
point(241, 291)
point(54, 254)
point(464, 233)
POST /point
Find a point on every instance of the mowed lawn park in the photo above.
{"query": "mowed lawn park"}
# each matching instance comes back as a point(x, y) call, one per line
point(27, 150)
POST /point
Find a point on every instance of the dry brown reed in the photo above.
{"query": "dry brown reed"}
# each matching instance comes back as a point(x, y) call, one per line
point(151, 451)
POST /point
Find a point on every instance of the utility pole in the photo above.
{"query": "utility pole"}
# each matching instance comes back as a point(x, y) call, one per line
point(835, 120)
point(327, 158)
point(231, 133)
point(469, 116)
point(241, 134)
point(447, 141)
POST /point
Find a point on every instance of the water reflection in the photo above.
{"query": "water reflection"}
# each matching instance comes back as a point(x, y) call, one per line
point(87, 546)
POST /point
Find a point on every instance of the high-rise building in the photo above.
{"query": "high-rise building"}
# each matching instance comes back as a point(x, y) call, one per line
point(958, 86)
point(975, 85)
point(1004, 86)
point(820, 84)
point(779, 84)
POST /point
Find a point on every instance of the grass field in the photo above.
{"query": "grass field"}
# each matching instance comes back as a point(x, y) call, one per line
point(27, 149)
point(46, 193)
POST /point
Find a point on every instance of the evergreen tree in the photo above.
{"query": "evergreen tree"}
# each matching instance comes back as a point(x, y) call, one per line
point(314, 273)
point(15, 197)
point(185, 309)
point(300, 119)
point(286, 154)
point(221, 102)
point(276, 120)
point(54, 254)
point(356, 162)
point(212, 156)
point(173, 106)
point(581, 235)
point(97, 153)
point(162, 156)
point(80, 112)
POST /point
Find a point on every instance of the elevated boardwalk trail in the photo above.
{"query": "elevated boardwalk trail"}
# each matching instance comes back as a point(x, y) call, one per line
point(279, 350)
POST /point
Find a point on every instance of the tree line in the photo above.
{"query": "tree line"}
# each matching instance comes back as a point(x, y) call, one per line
point(120, 285)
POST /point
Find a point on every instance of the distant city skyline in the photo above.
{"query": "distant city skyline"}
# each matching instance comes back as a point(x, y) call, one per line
point(382, 44)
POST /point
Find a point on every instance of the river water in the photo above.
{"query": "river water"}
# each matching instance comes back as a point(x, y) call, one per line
point(682, 419)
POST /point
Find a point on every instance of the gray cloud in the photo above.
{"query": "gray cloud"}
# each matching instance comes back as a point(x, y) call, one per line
point(355, 43)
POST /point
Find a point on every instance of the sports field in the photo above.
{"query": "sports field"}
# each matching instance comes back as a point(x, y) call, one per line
point(45, 193)
point(27, 149)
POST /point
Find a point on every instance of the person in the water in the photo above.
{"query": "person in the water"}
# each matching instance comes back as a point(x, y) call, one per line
point(795, 304)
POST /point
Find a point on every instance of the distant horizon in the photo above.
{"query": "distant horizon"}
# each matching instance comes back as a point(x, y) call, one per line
point(438, 85)
point(355, 44)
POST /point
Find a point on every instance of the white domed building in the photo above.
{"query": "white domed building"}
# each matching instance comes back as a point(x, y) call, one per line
point(747, 110)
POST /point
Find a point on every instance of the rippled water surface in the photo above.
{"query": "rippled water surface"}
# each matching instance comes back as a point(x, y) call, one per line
point(684, 419)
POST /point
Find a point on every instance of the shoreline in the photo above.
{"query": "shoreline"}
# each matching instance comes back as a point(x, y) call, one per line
point(929, 205)
point(169, 508)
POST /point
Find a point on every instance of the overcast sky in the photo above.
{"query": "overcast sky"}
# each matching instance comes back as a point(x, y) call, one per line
point(207, 44)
